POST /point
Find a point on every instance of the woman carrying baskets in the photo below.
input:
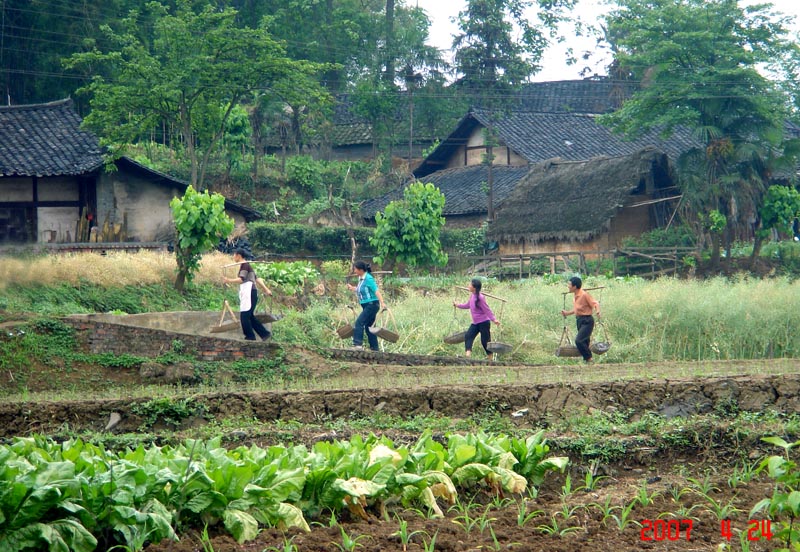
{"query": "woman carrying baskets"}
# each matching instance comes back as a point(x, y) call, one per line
point(482, 318)
point(371, 302)
point(583, 305)
point(248, 297)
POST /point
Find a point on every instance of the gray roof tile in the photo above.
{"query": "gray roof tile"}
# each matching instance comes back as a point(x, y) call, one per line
point(46, 140)
point(464, 189)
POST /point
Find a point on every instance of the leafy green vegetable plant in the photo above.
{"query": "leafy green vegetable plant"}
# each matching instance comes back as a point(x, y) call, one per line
point(784, 504)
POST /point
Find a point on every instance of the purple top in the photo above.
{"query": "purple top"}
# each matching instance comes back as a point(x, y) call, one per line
point(480, 311)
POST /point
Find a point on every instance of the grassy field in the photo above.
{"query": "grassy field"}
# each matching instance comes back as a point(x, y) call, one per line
point(628, 469)
point(664, 320)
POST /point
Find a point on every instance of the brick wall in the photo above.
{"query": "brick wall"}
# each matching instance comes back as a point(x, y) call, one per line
point(103, 337)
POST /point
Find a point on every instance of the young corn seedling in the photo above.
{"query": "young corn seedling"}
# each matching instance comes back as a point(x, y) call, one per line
point(643, 497)
point(430, 545)
point(591, 479)
point(742, 475)
point(288, 546)
point(554, 529)
point(406, 535)
point(349, 543)
point(721, 511)
point(704, 487)
point(683, 512)
point(677, 492)
point(566, 488)
point(624, 518)
point(606, 509)
point(523, 516)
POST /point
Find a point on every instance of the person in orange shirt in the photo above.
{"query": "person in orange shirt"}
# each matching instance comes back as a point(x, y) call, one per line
point(583, 305)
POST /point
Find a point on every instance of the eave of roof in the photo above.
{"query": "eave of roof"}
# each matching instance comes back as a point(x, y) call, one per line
point(46, 140)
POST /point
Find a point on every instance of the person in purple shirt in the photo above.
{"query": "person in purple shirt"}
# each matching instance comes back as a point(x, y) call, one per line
point(482, 318)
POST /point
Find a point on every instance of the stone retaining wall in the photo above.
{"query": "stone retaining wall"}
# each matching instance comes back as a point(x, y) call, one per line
point(97, 336)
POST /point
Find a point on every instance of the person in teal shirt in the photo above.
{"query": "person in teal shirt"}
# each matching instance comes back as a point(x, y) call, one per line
point(371, 302)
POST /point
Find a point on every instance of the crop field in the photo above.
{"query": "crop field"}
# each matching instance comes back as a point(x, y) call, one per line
point(681, 437)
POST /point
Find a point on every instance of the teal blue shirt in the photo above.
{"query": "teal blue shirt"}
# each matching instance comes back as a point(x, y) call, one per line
point(367, 289)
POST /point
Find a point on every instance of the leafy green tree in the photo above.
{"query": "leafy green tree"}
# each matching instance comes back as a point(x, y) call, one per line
point(191, 67)
point(698, 64)
point(781, 206)
point(408, 229)
point(497, 50)
point(38, 34)
point(200, 222)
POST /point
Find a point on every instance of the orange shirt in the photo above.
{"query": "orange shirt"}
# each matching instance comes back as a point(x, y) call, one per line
point(583, 303)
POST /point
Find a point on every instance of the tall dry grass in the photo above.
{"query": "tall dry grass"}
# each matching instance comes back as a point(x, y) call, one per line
point(667, 319)
point(113, 269)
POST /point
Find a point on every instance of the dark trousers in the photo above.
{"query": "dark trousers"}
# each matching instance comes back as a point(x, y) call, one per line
point(485, 329)
point(250, 322)
point(585, 327)
point(369, 311)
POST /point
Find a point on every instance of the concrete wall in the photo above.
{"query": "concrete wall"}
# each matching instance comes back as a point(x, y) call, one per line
point(146, 204)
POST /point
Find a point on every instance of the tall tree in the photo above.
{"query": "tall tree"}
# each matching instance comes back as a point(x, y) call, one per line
point(193, 66)
point(698, 61)
point(35, 35)
point(497, 50)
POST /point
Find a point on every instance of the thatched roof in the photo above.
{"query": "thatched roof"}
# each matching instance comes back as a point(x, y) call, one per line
point(575, 200)
point(464, 189)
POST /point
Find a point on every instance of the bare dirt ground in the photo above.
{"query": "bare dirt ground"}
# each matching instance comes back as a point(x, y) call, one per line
point(673, 521)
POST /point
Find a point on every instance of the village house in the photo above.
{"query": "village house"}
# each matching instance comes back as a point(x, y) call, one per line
point(552, 124)
point(589, 205)
point(56, 188)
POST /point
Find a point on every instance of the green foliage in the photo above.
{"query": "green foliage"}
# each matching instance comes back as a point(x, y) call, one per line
point(715, 221)
point(305, 173)
point(701, 61)
point(200, 222)
point(473, 242)
point(781, 206)
point(429, 150)
point(167, 73)
point(168, 411)
point(408, 230)
point(294, 238)
point(490, 54)
point(335, 270)
point(291, 277)
point(784, 504)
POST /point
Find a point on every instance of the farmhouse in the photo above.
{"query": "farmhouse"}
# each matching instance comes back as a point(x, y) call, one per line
point(465, 191)
point(553, 122)
point(588, 205)
point(55, 187)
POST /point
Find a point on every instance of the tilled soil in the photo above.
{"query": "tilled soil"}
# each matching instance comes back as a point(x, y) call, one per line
point(569, 523)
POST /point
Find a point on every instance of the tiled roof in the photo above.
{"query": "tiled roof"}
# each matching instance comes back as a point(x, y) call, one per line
point(601, 95)
point(464, 189)
point(46, 140)
point(350, 134)
point(541, 136)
